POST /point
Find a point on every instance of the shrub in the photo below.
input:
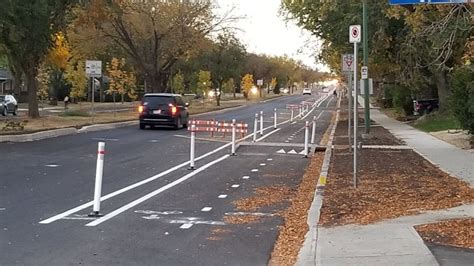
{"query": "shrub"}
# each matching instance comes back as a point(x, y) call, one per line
point(401, 99)
point(75, 113)
point(462, 98)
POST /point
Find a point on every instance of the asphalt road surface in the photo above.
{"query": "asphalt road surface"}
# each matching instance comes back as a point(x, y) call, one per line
point(155, 210)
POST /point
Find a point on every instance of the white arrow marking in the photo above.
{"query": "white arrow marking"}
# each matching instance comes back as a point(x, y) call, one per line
point(186, 226)
point(246, 177)
point(222, 196)
point(235, 186)
point(206, 209)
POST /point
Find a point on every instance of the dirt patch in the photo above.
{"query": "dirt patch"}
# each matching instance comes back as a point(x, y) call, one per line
point(378, 136)
point(458, 232)
point(218, 234)
point(392, 183)
point(460, 139)
point(264, 196)
point(292, 232)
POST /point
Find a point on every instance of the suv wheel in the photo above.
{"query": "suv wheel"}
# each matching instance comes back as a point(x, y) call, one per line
point(178, 124)
point(4, 112)
point(142, 126)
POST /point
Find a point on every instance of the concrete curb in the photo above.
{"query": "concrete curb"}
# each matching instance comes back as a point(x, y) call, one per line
point(308, 254)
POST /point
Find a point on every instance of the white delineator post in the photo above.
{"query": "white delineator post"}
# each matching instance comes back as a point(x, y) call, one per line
point(233, 137)
point(255, 128)
point(261, 123)
point(292, 113)
point(306, 136)
point(313, 132)
point(98, 179)
point(191, 154)
point(355, 121)
point(275, 118)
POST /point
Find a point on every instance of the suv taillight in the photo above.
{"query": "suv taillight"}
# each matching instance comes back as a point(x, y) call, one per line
point(140, 109)
point(174, 109)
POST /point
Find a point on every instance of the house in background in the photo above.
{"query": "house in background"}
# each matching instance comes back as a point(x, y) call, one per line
point(7, 86)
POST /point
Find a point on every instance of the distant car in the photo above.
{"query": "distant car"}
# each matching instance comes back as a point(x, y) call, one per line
point(306, 91)
point(8, 104)
point(163, 109)
point(285, 90)
point(426, 106)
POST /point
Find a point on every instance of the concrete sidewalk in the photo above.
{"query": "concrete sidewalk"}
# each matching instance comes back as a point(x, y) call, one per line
point(395, 241)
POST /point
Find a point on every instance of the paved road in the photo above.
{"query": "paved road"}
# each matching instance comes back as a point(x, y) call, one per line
point(159, 212)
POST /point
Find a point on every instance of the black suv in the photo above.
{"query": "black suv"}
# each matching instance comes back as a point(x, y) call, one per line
point(163, 109)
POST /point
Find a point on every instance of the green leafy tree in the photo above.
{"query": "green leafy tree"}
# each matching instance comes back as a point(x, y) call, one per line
point(177, 84)
point(462, 99)
point(26, 30)
point(204, 83)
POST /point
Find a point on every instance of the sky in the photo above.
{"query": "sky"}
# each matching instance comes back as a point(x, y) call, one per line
point(264, 31)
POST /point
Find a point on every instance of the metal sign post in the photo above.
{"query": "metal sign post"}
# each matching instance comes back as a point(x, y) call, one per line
point(355, 37)
point(348, 68)
point(93, 70)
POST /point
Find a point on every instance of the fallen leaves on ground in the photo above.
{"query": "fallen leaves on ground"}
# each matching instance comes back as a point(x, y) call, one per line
point(292, 232)
point(241, 219)
point(457, 232)
point(392, 183)
point(264, 196)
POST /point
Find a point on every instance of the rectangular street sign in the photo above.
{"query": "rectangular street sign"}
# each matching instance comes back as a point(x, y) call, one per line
point(364, 72)
point(93, 68)
point(347, 62)
point(416, 2)
point(354, 34)
point(259, 82)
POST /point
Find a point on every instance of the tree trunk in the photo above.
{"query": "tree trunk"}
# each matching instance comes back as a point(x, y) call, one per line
point(442, 87)
point(32, 84)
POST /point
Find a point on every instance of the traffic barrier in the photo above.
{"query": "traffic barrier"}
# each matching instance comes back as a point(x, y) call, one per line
point(313, 132)
point(191, 155)
point(98, 180)
point(306, 135)
point(275, 118)
point(233, 137)
point(255, 128)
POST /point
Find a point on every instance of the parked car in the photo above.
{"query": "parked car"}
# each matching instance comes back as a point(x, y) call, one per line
point(8, 104)
point(426, 106)
point(163, 109)
point(306, 91)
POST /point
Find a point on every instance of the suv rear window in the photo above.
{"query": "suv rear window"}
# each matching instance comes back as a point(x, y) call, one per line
point(153, 101)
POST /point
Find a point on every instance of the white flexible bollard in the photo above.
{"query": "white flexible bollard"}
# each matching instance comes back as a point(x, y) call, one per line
point(98, 180)
point(261, 123)
point(313, 132)
point(233, 138)
point(292, 114)
point(306, 136)
point(192, 150)
point(275, 118)
point(255, 128)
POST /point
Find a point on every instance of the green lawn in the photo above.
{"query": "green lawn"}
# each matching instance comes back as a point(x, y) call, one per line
point(437, 122)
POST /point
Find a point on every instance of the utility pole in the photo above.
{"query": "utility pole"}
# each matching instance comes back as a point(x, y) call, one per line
point(365, 41)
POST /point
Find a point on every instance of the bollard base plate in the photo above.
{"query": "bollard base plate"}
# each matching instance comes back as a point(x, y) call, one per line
point(95, 214)
point(191, 168)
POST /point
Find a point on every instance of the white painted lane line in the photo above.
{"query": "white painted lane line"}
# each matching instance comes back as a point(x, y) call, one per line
point(222, 196)
point(156, 192)
point(264, 137)
point(186, 226)
point(105, 139)
point(263, 164)
point(3, 209)
point(52, 165)
point(235, 186)
point(245, 177)
point(287, 141)
point(254, 170)
point(206, 209)
point(153, 141)
point(125, 189)
point(269, 159)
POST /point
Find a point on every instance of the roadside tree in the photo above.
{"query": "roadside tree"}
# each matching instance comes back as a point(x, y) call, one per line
point(26, 28)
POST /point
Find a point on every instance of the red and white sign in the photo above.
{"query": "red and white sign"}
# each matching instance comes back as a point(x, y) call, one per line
point(347, 62)
point(354, 34)
point(292, 106)
point(216, 126)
